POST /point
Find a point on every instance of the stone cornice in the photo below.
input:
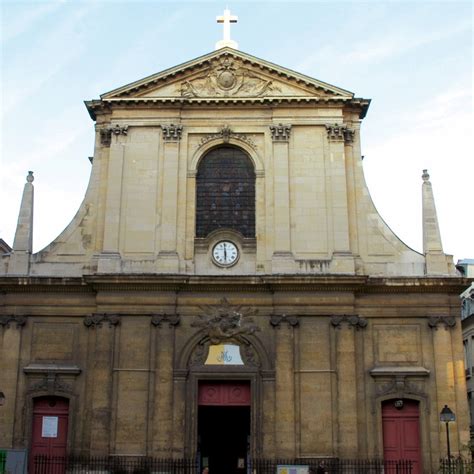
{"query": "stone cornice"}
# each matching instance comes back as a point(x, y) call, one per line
point(264, 283)
point(96, 107)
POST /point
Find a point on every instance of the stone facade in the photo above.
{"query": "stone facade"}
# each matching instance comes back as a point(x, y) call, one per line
point(333, 315)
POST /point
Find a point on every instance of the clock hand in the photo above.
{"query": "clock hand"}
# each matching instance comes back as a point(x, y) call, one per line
point(225, 252)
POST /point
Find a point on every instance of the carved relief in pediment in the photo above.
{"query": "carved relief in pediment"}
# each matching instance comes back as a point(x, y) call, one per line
point(228, 79)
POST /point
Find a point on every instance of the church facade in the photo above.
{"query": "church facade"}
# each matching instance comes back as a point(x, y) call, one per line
point(227, 290)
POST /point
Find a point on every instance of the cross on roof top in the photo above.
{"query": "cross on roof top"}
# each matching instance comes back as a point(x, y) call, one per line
point(227, 19)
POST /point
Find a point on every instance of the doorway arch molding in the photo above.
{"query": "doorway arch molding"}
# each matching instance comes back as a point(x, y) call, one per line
point(190, 370)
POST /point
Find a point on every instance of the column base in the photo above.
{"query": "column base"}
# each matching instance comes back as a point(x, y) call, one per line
point(19, 263)
point(168, 261)
point(109, 262)
point(342, 262)
point(283, 262)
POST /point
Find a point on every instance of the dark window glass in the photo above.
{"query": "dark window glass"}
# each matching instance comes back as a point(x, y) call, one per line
point(225, 192)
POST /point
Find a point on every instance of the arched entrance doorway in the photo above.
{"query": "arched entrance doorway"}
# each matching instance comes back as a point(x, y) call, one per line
point(401, 431)
point(224, 425)
point(49, 431)
point(228, 375)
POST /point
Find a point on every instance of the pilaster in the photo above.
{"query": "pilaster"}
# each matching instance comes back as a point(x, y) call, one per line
point(168, 255)
point(102, 329)
point(282, 259)
point(352, 156)
point(109, 258)
point(342, 261)
point(285, 415)
point(10, 344)
point(345, 327)
point(450, 378)
point(163, 326)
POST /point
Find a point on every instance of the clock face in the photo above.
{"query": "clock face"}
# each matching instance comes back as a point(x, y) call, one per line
point(225, 253)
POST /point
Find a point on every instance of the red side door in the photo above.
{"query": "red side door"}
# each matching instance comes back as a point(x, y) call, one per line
point(401, 432)
point(49, 435)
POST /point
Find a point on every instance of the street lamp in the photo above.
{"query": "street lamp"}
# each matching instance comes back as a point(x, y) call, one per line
point(446, 416)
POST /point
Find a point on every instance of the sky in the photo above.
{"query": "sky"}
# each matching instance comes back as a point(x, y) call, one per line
point(413, 59)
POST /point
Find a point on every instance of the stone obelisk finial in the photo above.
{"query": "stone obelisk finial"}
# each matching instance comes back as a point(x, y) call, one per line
point(431, 234)
point(227, 19)
point(436, 260)
point(19, 263)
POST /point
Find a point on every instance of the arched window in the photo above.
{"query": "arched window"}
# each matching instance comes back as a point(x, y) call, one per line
point(225, 192)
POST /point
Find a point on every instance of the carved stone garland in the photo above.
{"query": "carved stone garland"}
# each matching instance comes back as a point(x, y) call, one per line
point(224, 321)
point(225, 134)
point(227, 79)
point(96, 320)
point(50, 384)
point(352, 320)
point(6, 320)
point(399, 386)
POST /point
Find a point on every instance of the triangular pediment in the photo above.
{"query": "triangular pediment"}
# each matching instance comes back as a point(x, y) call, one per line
point(227, 74)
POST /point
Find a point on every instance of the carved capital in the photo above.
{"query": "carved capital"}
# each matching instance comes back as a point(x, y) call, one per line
point(276, 320)
point(449, 322)
point(348, 136)
point(171, 319)
point(172, 132)
point(50, 384)
point(340, 132)
point(280, 132)
point(106, 133)
point(6, 320)
point(96, 320)
point(352, 320)
point(224, 321)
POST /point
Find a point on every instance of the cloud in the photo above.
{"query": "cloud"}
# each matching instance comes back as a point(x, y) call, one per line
point(24, 19)
point(45, 57)
point(374, 49)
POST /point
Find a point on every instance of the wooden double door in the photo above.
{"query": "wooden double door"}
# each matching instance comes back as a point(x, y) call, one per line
point(49, 435)
point(401, 432)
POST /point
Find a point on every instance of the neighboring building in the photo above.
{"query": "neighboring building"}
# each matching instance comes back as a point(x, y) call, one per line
point(4, 247)
point(227, 289)
point(466, 267)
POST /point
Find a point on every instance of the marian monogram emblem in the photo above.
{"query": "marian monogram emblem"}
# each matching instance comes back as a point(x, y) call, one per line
point(225, 321)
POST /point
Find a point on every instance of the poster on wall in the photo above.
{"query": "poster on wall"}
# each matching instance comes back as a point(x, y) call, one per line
point(50, 427)
point(290, 469)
